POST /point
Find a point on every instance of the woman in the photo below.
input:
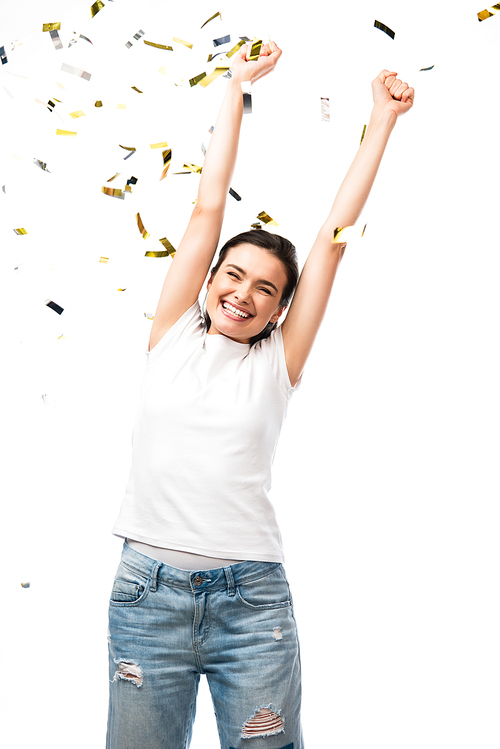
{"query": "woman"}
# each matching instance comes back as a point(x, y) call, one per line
point(200, 587)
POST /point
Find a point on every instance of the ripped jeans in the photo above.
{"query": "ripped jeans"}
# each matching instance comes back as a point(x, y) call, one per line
point(235, 624)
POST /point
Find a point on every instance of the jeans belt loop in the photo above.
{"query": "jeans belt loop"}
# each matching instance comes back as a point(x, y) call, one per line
point(154, 576)
point(230, 581)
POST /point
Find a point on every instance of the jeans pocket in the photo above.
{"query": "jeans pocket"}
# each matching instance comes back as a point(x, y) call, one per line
point(269, 592)
point(129, 588)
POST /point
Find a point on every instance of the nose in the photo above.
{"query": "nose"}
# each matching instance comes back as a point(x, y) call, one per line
point(242, 293)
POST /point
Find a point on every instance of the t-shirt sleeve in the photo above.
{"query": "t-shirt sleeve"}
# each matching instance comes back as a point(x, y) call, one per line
point(274, 350)
point(188, 325)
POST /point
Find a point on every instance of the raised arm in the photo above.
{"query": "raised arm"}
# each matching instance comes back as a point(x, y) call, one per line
point(196, 250)
point(391, 98)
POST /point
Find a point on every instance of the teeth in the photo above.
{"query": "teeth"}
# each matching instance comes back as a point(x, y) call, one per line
point(234, 311)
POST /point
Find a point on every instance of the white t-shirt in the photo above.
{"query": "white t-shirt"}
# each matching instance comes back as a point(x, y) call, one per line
point(205, 434)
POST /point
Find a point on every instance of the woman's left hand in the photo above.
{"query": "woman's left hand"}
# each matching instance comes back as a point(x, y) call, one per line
point(390, 94)
point(246, 70)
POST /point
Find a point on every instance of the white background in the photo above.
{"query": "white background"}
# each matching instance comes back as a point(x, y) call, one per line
point(386, 483)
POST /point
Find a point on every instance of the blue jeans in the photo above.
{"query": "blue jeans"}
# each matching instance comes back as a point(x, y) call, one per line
point(235, 624)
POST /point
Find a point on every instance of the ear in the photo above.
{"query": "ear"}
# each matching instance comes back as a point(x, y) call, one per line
point(277, 314)
point(209, 282)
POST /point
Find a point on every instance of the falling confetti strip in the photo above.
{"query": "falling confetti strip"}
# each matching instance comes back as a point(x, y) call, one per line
point(41, 164)
point(325, 109)
point(51, 26)
point(136, 37)
point(215, 74)
point(121, 106)
point(422, 69)
point(65, 132)
point(20, 231)
point(234, 194)
point(363, 134)
point(263, 216)
point(98, 103)
point(76, 114)
point(169, 250)
point(256, 226)
point(167, 160)
point(96, 7)
point(143, 231)
point(76, 71)
point(132, 181)
point(344, 234)
point(235, 48)
point(385, 29)
point(114, 177)
point(255, 51)
point(25, 585)
point(159, 46)
point(54, 306)
point(211, 19)
point(484, 14)
point(136, 89)
point(164, 144)
point(181, 41)
point(54, 35)
point(3, 56)
point(103, 259)
point(113, 192)
point(194, 81)
point(222, 40)
point(192, 168)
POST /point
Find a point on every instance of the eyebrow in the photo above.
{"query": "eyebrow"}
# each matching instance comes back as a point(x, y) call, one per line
point(261, 280)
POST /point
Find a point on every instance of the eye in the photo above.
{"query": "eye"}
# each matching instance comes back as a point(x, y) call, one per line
point(264, 288)
point(230, 273)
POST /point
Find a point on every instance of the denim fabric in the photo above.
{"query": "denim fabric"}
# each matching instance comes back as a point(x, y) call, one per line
point(234, 624)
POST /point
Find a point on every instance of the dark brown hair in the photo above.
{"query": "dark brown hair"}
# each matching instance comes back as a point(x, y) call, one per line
point(274, 244)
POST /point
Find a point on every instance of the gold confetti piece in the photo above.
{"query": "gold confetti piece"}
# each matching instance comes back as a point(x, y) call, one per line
point(149, 315)
point(256, 226)
point(76, 71)
point(197, 79)
point(484, 14)
point(170, 249)
point(127, 148)
point(152, 253)
point(65, 132)
point(344, 234)
point(167, 157)
point(76, 114)
point(20, 231)
point(41, 164)
point(421, 69)
point(215, 74)
point(192, 168)
point(113, 192)
point(136, 89)
point(143, 231)
point(51, 26)
point(54, 35)
point(121, 106)
point(103, 259)
point(255, 51)
point(159, 145)
point(181, 41)
point(385, 29)
point(25, 585)
point(266, 219)
point(125, 289)
point(96, 7)
point(128, 188)
point(222, 40)
point(211, 19)
point(235, 48)
point(54, 306)
point(362, 134)
point(325, 109)
point(115, 176)
point(163, 70)
point(159, 46)
point(98, 103)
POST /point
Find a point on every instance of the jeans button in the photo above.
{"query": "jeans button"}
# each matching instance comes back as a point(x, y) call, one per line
point(198, 580)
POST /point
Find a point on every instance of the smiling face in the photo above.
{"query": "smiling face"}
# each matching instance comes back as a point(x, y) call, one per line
point(244, 295)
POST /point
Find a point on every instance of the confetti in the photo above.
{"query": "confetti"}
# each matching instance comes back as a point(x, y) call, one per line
point(484, 14)
point(256, 226)
point(159, 145)
point(65, 132)
point(54, 306)
point(3, 56)
point(192, 168)
point(325, 109)
point(159, 46)
point(255, 51)
point(41, 164)
point(54, 35)
point(247, 101)
point(385, 29)
point(263, 216)
point(132, 181)
point(344, 234)
point(75, 71)
point(121, 106)
point(20, 231)
point(51, 26)
point(103, 259)
point(211, 129)
point(136, 36)
point(125, 289)
point(181, 41)
point(221, 40)
point(235, 48)
point(25, 585)
point(76, 114)
point(114, 177)
point(215, 74)
point(362, 134)
point(234, 194)
point(422, 69)
point(169, 250)
point(96, 7)
point(143, 231)
point(211, 19)
point(98, 103)
point(197, 79)
point(136, 89)
point(167, 158)
point(113, 192)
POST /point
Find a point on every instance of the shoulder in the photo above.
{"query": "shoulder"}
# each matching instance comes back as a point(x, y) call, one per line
point(189, 325)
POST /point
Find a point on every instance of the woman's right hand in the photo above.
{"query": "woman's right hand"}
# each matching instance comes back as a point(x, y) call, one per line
point(251, 70)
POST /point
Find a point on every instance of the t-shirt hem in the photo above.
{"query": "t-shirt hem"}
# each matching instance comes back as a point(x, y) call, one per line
point(230, 555)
